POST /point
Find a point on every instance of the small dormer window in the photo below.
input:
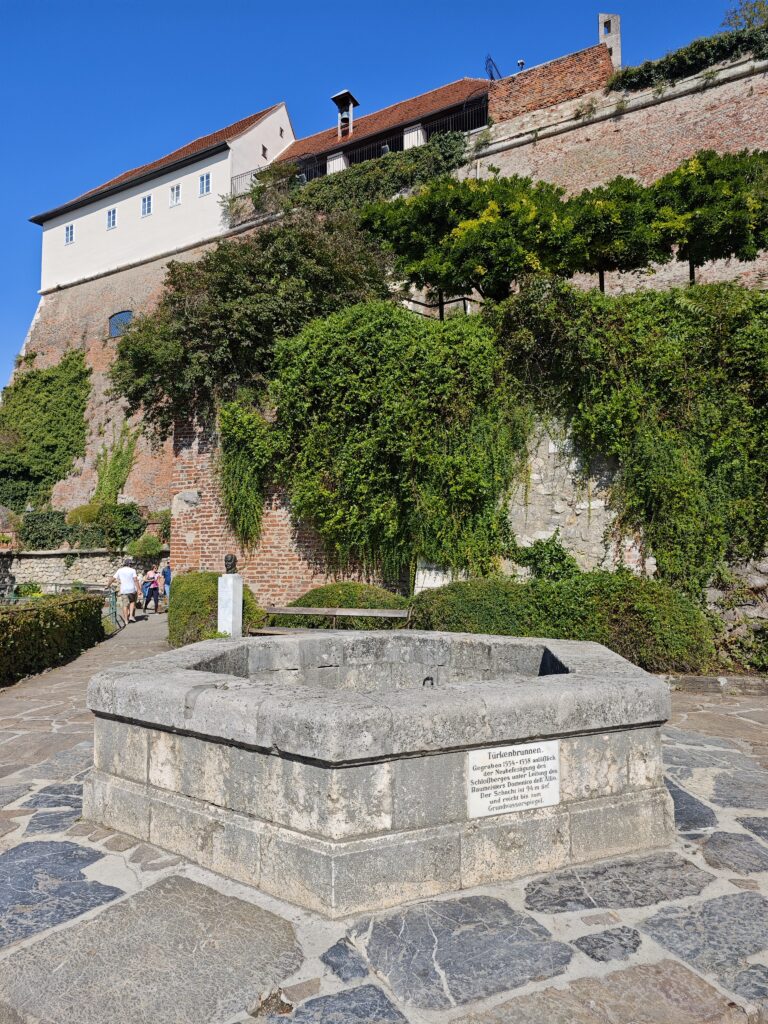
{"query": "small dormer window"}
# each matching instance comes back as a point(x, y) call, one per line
point(111, 218)
point(69, 234)
point(119, 321)
point(146, 206)
point(264, 152)
point(205, 183)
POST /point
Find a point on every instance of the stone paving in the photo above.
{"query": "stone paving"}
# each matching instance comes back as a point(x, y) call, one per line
point(98, 928)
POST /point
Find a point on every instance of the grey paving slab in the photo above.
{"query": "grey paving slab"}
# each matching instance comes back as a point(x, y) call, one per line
point(690, 813)
point(176, 953)
point(613, 944)
point(49, 822)
point(733, 851)
point(63, 794)
point(63, 765)
point(742, 789)
point(9, 794)
point(345, 961)
point(673, 734)
point(715, 935)
point(638, 882)
point(366, 1004)
point(42, 885)
point(442, 954)
point(692, 757)
point(663, 993)
point(757, 825)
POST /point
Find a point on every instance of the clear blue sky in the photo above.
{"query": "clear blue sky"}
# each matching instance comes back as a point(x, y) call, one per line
point(90, 89)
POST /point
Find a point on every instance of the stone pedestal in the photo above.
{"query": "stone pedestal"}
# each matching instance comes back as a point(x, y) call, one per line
point(352, 771)
point(231, 605)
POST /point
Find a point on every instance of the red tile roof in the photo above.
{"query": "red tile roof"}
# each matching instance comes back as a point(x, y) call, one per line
point(403, 113)
point(201, 145)
point(547, 84)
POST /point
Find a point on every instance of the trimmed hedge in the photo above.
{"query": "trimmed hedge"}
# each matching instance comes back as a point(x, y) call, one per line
point(47, 631)
point(193, 608)
point(343, 595)
point(644, 620)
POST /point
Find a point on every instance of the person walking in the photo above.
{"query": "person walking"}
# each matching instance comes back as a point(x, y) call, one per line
point(128, 582)
point(151, 592)
point(167, 579)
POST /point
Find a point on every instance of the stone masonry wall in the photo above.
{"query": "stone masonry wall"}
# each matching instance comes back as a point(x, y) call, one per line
point(49, 568)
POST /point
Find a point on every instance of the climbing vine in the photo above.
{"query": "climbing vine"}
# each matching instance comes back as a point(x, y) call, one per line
point(114, 464)
point(42, 429)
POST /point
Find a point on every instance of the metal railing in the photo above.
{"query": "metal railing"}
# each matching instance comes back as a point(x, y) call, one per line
point(373, 150)
point(241, 183)
point(109, 610)
point(467, 119)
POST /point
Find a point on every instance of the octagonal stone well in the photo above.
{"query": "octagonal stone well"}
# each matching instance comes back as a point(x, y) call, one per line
point(352, 771)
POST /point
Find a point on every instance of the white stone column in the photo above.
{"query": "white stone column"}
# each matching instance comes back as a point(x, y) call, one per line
point(231, 605)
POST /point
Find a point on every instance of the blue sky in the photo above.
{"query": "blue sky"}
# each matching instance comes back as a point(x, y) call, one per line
point(90, 89)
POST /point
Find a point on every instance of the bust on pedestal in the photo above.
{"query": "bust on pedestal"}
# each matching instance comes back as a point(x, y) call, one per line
point(231, 600)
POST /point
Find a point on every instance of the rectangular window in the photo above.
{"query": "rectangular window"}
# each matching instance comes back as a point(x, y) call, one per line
point(69, 234)
point(175, 195)
point(111, 218)
point(264, 152)
point(205, 183)
point(146, 205)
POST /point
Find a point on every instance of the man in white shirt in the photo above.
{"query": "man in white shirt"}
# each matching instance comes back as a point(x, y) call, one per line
point(128, 583)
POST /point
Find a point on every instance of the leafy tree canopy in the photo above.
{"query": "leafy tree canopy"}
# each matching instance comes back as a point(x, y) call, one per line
point(214, 331)
point(614, 228)
point(463, 235)
point(715, 206)
point(746, 14)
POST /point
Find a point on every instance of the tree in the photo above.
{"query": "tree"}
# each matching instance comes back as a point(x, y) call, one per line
point(460, 236)
point(747, 14)
point(613, 228)
point(715, 206)
point(215, 328)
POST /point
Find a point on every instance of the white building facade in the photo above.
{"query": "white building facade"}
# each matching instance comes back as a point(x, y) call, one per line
point(162, 207)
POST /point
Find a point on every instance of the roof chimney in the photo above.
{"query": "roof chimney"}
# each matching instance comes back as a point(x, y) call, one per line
point(345, 104)
point(609, 32)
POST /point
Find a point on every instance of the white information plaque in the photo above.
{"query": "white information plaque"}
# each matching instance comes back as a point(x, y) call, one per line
point(515, 778)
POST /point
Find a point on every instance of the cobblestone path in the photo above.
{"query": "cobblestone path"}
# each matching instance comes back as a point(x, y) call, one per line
point(96, 928)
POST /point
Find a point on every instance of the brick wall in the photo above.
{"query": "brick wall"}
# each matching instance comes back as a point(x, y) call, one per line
point(549, 84)
point(287, 561)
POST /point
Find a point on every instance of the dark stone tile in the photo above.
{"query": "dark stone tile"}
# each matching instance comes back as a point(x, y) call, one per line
point(691, 757)
point(757, 825)
point(732, 851)
point(742, 789)
point(715, 935)
point(614, 944)
point(176, 953)
point(10, 793)
point(63, 765)
point(441, 954)
point(751, 983)
point(41, 885)
point(345, 961)
point(62, 794)
point(690, 813)
point(48, 822)
point(621, 883)
point(671, 734)
point(364, 1005)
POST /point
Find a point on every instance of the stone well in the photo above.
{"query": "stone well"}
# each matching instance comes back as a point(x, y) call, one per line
point(351, 771)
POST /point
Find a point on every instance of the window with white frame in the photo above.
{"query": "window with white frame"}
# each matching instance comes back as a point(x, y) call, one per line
point(111, 218)
point(175, 195)
point(205, 183)
point(69, 234)
point(146, 205)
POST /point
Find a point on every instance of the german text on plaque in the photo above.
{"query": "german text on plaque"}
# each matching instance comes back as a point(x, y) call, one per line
point(514, 778)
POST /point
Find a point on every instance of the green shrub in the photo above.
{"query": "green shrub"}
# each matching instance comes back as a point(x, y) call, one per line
point(47, 632)
point(193, 611)
point(147, 546)
point(43, 530)
point(163, 518)
point(343, 595)
point(689, 60)
point(28, 589)
point(643, 620)
point(547, 559)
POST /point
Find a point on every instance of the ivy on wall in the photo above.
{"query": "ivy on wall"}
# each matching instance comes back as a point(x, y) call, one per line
point(394, 438)
point(42, 430)
point(672, 384)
